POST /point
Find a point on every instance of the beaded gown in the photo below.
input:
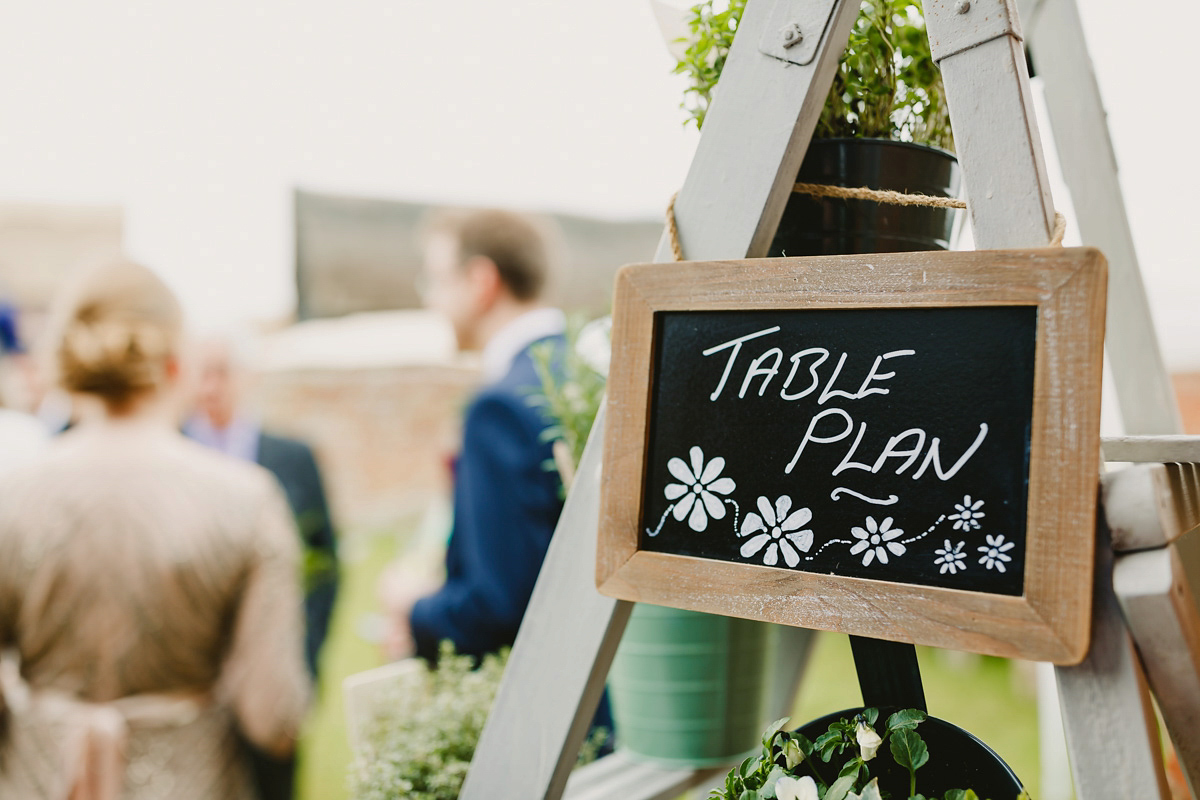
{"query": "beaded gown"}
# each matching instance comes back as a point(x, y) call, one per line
point(149, 589)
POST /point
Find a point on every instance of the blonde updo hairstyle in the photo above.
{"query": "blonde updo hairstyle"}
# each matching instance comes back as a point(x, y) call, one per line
point(119, 331)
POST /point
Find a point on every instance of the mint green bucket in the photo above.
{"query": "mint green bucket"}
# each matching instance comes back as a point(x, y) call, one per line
point(690, 689)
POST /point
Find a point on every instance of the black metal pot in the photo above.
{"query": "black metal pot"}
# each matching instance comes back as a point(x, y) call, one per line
point(813, 226)
point(957, 760)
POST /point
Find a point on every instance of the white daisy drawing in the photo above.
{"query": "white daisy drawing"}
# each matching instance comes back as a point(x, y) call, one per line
point(698, 488)
point(952, 558)
point(994, 553)
point(780, 532)
point(876, 540)
point(968, 515)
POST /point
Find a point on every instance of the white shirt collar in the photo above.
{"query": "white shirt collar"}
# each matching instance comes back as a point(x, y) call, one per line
point(519, 333)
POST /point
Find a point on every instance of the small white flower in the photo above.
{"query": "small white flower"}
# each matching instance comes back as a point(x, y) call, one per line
point(792, 754)
point(869, 792)
point(968, 515)
point(952, 559)
point(594, 344)
point(868, 741)
point(876, 540)
point(994, 553)
point(697, 489)
point(780, 532)
point(789, 788)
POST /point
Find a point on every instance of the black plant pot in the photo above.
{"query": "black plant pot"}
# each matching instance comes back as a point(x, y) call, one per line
point(813, 226)
point(957, 760)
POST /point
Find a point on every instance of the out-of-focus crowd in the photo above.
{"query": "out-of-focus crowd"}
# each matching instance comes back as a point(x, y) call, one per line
point(168, 567)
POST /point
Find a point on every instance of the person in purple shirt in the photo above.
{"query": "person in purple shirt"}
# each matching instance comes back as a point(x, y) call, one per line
point(221, 421)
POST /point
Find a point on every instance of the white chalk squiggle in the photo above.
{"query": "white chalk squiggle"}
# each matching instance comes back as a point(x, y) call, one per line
point(835, 495)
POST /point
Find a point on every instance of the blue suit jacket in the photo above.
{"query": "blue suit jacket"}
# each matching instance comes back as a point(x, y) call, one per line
point(506, 504)
point(293, 464)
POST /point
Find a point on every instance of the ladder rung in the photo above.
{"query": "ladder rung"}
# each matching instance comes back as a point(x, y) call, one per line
point(619, 777)
point(1152, 449)
point(1150, 505)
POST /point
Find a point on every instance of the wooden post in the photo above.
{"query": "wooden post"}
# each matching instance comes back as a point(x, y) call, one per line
point(995, 132)
point(1153, 511)
point(1156, 596)
point(1112, 734)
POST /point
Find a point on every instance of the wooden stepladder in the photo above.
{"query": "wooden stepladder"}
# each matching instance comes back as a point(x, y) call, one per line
point(754, 140)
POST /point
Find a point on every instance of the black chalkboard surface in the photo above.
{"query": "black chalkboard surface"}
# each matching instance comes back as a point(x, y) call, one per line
point(887, 444)
point(896, 446)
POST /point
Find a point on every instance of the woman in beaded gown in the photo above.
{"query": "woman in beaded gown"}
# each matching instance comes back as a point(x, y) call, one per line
point(149, 587)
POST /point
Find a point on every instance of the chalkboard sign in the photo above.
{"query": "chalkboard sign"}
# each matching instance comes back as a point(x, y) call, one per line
point(897, 446)
point(882, 443)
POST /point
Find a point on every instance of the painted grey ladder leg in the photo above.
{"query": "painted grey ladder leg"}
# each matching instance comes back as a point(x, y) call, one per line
point(556, 671)
point(1153, 511)
point(1113, 672)
point(983, 65)
point(729, 207)
point(982, 61)
point(1154, 585)
point(1077, 118)
point(1112, 734)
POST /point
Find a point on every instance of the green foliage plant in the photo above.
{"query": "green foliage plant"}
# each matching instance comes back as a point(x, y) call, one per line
point(571, 389)
point(712, 25)
point(887, 85)
point(421, 740)
point(317, 566)
point(836, 765)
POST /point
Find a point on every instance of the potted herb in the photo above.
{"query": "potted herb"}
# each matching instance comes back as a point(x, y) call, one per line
point(687, 689)
point(857, 755)
point(421, 737)
point(884, 126)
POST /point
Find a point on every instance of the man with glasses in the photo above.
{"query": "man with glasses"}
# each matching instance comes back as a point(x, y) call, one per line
point(484, 271)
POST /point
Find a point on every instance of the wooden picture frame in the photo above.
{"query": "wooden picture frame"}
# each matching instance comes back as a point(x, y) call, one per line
point(1050, 619)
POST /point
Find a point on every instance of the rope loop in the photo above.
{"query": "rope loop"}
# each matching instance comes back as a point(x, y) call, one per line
point(673, 229)
point(886, 196)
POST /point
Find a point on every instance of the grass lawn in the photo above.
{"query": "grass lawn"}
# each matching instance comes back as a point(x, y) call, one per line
point(325, 750)
point(976, 693)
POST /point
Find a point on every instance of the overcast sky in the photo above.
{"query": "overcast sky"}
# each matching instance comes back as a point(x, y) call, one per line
point(200, 118)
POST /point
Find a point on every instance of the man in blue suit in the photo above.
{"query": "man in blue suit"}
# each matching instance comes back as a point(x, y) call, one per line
point(484, 271)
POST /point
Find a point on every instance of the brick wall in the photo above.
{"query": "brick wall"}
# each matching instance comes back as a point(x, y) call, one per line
point(382, 435)
point(41, 245)
point(1187, 390)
